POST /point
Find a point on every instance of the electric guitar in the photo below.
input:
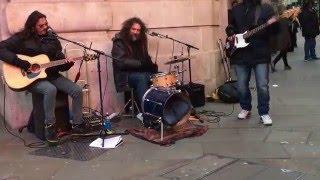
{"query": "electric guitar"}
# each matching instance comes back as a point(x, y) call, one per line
point(18, 79)
point(238, 41)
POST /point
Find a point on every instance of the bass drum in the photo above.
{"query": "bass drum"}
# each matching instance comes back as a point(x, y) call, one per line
point(169, 105)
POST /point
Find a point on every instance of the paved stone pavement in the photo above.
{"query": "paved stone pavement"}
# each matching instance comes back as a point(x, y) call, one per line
point(231, 149)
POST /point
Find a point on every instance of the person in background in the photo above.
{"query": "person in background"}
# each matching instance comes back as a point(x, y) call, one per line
point(309, 24)
point(282, 42)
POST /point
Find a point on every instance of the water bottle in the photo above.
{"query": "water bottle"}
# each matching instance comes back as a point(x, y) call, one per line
point(106, 122)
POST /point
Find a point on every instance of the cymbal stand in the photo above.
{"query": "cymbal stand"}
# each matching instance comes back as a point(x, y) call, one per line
point(177, 69)
point(178, 72)
point(189, 46)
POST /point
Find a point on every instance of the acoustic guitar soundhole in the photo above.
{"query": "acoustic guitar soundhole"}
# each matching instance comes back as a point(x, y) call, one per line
point(34, 71)
point(35, 68)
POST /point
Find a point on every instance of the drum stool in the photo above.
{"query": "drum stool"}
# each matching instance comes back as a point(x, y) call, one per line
point(132, 104)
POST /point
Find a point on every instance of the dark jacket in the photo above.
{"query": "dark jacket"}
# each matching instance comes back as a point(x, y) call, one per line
point(242, 20)
point(127, 62)
point(282, 40)
point(309, 23)
point(36, 45)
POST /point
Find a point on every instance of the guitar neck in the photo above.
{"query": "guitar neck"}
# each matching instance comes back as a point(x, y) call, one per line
point(58, 62)
point(255, 30)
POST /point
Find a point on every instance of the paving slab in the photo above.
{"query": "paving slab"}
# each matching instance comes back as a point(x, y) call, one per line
point(148, 151)
point(230, 135)
point(306, 165)
point(199, 168)
point(30, 169)
point(240, 170)
point(288, 137)
point(301, 120)
point(302, 151)
point(246, 149)
point(102, 170)
point(273, 173)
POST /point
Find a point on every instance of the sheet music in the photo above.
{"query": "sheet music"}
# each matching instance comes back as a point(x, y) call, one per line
point(109, 143)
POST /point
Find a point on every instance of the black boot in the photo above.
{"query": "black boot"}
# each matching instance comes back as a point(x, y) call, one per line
point(287, 67)
point(51, 135)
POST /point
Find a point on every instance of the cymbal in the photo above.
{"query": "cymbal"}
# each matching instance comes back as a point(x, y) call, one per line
point(178, 60)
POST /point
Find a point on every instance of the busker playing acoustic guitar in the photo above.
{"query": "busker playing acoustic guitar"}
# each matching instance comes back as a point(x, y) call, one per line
point(256, 56)
point(34, 40)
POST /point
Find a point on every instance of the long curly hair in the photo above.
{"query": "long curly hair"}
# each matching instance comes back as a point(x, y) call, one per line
point(29, 27)
point(125, 35)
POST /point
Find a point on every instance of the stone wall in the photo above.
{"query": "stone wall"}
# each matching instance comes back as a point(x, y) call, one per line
point(198, 22)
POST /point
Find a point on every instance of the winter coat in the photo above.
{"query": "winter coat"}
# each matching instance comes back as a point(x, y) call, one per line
point(243, 19)
point(282, 41)
point(126, 63)
point(309, 23)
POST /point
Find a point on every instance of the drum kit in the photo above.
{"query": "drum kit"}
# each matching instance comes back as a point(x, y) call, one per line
point(164, 103)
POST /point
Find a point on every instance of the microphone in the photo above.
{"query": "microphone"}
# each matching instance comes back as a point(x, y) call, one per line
point(154, 34)
point(51, 32)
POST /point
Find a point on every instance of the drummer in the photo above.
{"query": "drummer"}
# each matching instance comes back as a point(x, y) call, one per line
point(134, 65)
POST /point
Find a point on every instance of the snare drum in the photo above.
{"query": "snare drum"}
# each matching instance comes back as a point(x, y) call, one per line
point(169, 105)
point(165, 80)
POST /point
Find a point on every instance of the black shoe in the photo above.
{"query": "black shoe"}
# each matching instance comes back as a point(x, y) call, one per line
point(287, 67)
point(51, 135)
point(315, 58)
point(80, 129)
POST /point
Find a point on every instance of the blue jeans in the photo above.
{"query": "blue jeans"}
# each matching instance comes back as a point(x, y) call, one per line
point(139, 81)
point(261, 72)
point(48, 88)
point(309, 48)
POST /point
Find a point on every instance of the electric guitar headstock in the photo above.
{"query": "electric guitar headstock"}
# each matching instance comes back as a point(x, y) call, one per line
point(293, 13)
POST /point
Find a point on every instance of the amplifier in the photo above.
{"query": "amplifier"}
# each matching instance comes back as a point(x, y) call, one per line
point(195, 92)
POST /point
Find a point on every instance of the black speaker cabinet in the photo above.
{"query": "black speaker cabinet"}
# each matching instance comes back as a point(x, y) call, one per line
point(36, 122)
point(195, 92)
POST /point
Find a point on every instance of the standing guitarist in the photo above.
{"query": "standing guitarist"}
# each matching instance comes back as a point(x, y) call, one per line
point(33, 40)
point(255, 57)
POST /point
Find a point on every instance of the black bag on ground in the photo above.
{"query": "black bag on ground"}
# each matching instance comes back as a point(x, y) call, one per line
point(228, 92)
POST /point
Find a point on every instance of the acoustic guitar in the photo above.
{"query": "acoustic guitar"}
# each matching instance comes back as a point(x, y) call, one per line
point(18, 79)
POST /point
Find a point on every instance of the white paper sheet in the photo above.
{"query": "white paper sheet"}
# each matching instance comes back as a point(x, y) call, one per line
point(108, 142)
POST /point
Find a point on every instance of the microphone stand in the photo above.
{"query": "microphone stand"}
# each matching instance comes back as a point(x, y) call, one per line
point(189, 46)
point(103, 132)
